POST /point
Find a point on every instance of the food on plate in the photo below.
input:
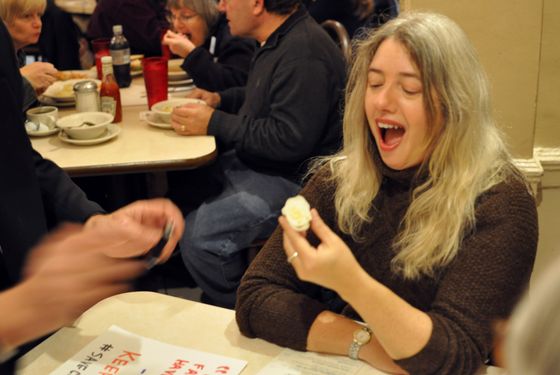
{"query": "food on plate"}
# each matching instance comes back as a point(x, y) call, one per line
point(166, 109)
point(135, 65)
point(136, 62)
point(69, 74)
point(298, 213)
point(66, 90)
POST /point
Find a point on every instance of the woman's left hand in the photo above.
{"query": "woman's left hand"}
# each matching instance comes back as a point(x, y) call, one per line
point(327, 265)
point(179, 44)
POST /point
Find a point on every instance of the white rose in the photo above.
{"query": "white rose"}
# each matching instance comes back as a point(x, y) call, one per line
point(298, 213)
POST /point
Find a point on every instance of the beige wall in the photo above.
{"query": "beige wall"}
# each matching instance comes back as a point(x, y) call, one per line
point(519, 44)
point(507, 37)
point(547, 132)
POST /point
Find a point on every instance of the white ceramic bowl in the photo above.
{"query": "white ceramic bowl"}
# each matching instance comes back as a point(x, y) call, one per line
point(163, 109)
point(77, 126)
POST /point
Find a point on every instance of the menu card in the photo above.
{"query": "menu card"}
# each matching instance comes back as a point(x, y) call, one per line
point(124, 353)
point(291, 362)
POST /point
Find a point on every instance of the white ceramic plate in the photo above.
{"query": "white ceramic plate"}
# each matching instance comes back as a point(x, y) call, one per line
point(63, 91)
point(154, 120)
point(50, 101)
point(43, 133)
point(183, 82)
point(112, 131)
point(174, 70)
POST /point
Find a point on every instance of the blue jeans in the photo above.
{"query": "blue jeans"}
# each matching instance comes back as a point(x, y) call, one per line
point(223, 226)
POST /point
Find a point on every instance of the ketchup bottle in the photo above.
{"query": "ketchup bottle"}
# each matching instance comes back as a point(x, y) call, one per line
point(109, 94)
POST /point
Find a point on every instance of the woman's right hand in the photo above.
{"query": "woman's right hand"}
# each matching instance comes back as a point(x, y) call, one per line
point(179, 44)
point(329, 264)
point(40, 74)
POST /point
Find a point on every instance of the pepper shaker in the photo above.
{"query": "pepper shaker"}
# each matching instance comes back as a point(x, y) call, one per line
point(87, 97)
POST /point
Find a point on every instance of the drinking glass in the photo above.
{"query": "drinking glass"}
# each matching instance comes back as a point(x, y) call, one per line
point(100, 48)
point(155, 79)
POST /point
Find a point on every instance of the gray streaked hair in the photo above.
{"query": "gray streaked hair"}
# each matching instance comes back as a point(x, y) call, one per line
point(207, 9)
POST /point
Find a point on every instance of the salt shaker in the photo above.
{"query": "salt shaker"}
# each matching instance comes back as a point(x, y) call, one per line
point(87, 97)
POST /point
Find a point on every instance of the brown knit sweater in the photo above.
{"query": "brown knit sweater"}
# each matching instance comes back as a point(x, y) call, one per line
point(480, 285)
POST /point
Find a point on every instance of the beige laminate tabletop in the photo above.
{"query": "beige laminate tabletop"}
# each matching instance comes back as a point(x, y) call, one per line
point(138, 148)
point(169, 319)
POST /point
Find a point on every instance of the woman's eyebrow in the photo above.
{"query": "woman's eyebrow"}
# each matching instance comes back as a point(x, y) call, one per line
point(403, 74)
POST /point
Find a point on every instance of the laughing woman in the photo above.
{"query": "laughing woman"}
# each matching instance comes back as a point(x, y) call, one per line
point(427, 231)
point(214, 59)
point(23, 20)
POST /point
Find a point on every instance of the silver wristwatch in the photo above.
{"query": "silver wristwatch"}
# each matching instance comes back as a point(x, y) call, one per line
point(361, 337)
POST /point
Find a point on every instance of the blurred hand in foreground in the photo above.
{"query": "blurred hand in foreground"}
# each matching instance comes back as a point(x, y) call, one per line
point(134, 229)
point(68, 272)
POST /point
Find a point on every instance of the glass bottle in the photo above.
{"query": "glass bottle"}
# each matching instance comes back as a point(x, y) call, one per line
point(110, 95)
point(120, 52)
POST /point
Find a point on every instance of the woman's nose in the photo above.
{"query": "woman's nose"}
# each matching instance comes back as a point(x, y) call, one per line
point(36, 21)
point(385, 99)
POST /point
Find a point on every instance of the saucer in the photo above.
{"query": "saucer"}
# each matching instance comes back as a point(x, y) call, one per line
point(43, 133)
point(154, 120)
point(112, 131)
point(183, 82)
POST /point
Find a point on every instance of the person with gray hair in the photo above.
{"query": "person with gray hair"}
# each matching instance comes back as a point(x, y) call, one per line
point(422, 227)
point(214, 59)
point(532, 340)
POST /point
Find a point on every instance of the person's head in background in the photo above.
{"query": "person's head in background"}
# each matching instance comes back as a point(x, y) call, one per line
point(252, 19)
point(418, 96)
point(533, 334)
point(193, 18)
point(23, 20)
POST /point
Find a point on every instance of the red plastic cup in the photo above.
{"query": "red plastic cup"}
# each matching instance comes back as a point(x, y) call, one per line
point(100, 48)
point(155, 79)
point(165, 51)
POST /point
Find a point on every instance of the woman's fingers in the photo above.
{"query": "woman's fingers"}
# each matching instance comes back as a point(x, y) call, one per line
point(322, 230)
point(295, 241)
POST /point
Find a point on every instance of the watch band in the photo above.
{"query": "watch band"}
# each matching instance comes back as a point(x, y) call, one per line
point(362, 336)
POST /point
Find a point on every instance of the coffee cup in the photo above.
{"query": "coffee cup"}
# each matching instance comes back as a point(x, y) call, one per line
point(46, 115)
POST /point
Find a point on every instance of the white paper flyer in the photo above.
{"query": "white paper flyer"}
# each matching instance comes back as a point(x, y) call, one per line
point(124, 353)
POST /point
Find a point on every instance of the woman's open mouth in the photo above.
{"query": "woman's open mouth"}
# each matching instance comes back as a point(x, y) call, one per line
point(391, 134)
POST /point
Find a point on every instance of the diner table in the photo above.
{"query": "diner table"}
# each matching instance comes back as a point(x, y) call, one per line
point(171, 320)
point(139, 147)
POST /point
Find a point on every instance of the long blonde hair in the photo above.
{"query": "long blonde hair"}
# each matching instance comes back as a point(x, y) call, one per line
point(467, 154)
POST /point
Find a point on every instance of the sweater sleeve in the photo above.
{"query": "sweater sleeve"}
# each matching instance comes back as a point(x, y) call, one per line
point(62, 198)
point(482, 284)
point(295, 123)
point(270, 290)
point(229, 70)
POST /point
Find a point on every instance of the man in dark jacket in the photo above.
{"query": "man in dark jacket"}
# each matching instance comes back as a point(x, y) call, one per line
point(266, 131)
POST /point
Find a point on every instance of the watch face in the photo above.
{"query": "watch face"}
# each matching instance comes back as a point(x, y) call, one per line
point(362, 336)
